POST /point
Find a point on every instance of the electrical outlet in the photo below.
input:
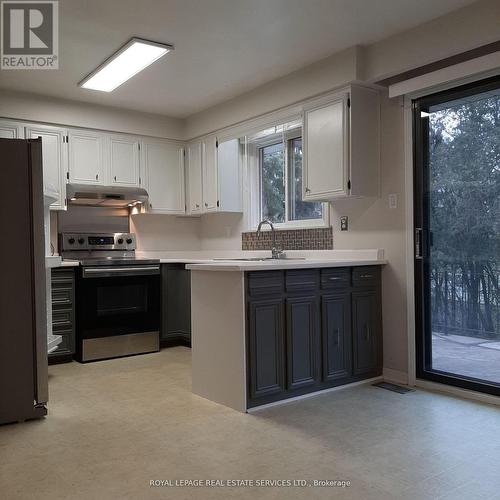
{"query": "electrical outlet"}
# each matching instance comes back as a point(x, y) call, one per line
point(393, 200)
point(344, 223)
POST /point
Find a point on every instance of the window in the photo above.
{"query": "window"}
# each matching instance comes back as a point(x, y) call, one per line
point(278, 153)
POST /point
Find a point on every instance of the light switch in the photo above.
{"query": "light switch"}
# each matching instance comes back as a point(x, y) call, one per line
point(393, 200)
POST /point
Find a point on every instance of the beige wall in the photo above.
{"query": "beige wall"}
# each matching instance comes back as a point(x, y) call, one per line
point(31, 107)
point(165, 232)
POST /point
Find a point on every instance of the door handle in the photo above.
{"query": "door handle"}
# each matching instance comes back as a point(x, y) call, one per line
point(418, 243)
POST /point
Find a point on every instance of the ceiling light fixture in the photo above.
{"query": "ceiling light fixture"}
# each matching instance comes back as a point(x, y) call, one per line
point(133, 57)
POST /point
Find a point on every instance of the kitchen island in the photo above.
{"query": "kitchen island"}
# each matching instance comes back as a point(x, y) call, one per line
point(270, 330)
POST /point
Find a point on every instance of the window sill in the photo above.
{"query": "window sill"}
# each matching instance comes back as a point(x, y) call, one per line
point(292, 226)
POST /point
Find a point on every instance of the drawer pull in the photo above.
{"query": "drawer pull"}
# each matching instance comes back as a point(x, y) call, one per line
point(335, 278)
point(366, 276)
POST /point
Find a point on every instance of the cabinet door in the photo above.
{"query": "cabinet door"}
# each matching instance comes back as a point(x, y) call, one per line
point(266, 347)
point(302, 342)
point(54, 158)
point(11, 130)
point(209, 167)
point(336, 331)
point(366, 331)
point(326, 135)
point(164, 165)
point(124, 160)
point(86, 157)
point(194, 178)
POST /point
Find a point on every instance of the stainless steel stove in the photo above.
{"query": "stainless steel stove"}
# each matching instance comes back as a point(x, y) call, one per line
point(117, 295)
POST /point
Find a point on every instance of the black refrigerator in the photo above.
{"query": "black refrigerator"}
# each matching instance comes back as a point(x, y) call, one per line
point(23, 308)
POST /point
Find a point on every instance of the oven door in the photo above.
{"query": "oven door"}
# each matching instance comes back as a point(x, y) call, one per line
point(117, 300)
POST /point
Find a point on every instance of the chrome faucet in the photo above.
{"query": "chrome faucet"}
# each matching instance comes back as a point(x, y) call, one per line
point(277, 253)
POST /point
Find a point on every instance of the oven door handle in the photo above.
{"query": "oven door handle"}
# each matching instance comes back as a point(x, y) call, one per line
point(97, 272)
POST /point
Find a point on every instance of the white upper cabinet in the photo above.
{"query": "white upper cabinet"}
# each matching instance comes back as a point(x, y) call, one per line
point(230, 196)
point(209, 173)
point(193, 182)
point(86, 157)
point(341, 145)
point(54, 159)
point(11, 130)
point(164, 168)
point(124, 160)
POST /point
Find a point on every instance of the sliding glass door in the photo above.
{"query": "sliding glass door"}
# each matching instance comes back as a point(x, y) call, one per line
point(457, 236)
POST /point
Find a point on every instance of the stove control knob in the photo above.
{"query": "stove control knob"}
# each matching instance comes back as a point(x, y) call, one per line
point(81, 241)
point(71, 241)
point(129, 241)
point(120, 241)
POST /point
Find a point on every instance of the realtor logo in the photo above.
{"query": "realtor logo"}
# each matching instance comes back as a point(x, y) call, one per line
point(30, 35)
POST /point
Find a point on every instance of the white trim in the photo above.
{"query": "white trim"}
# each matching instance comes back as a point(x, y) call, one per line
point(451, 76)
point(410, 274)
point(457, 391)
point(314, 394)
point(396, 376)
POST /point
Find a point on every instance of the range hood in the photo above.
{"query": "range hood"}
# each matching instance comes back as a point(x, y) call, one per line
point(105, 196)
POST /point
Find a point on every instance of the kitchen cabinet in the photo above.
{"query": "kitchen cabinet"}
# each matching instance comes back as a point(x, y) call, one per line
point(54, 157)
point(164, 170)
point(311, 329)
point(209, 173)
point(124, 160)
point(176, 305)
point(266, 347)
point(337, 337)
point(341, 145)
point(193, 182)
point(63, 314)
point(302, 340)
point(11, 130)
point(86, 157)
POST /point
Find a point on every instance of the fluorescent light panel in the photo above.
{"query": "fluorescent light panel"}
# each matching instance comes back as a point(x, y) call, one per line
point(133, 57)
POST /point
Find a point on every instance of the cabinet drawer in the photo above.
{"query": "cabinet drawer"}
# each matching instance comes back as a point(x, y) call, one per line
point(62, 319)
point(62, 295)
point(62, 276)
point(302, 280)
point(368, 276)
point(335, 278)
point(265, 282)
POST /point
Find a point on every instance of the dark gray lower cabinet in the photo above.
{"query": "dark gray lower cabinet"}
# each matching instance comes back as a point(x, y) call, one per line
point(308, 330)
point(302, 341)
point(176, 305)
point(266, 347)
point(366, 331)
point(337, 337)
point(63, 313)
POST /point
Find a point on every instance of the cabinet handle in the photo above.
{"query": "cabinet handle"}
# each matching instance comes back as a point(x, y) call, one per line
point(334, 278)
point(337, 336)
point(197, 206)
point(366, 276)
point(115, 178)
point(368, 333)
point(96, 177)
point(206, 204)
point(308, 190)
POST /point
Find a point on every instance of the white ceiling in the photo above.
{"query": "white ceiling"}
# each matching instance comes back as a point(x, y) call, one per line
point(222, 47)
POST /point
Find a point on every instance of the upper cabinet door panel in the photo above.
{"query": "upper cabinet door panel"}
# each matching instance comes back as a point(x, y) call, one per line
point(86, 157)
point(326, 150)
point(209, 166)
point(194, 178)
point(164, 163)
point(124, 160)
point(54, 158)
point(11, 130)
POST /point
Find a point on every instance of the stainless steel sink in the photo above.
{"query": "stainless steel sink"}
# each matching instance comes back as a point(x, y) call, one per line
point(258, 259)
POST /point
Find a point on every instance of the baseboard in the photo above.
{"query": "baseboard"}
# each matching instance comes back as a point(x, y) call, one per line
point(457, 391)
point(396, 376)
point(313, 394)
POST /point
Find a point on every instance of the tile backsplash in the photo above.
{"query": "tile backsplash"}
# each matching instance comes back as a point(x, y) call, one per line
point(290, 239)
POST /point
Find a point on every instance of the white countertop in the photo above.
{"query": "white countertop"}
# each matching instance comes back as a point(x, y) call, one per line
point(268, 265)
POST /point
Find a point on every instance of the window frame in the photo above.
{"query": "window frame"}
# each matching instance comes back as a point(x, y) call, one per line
point(255, 158)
